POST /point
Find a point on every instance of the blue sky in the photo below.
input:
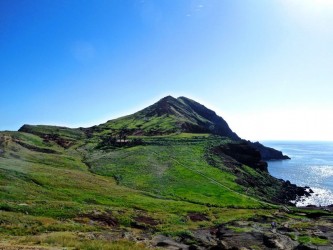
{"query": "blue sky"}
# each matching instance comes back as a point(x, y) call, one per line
point(265, 66)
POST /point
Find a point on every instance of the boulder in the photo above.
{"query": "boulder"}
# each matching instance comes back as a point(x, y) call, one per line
point(278, 241)
point(165, 242)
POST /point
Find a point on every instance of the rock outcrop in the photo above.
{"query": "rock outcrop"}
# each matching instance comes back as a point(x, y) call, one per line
point(235, 155)
point(244, 153)
point(253, 234)
point(268, 153)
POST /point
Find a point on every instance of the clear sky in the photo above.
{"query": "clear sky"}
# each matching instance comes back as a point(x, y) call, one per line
point(265, 66)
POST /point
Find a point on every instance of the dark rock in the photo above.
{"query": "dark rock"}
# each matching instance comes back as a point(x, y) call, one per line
point(194, 247)
point(243, 153)
point(291, 192)
point(324, 247)
point(313, 206)
point(146, 220)
point(243, 240)
point(269, 242)
point(197, 217)
point(234, 155)
point(168, 243)
point(316, 215)
point(278, 241)
point(221, 231)
point(268, 153)
point(204, 237)
point(104, 218)
point(222, 245)
point(62, 142)
point(285, 229)
point(305, 247)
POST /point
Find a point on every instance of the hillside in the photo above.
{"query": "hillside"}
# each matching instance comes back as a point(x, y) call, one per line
point(167, 116)
point(171, 175)
point(181, 115)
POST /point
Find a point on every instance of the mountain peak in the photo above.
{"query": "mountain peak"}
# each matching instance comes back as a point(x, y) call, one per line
point(168, 98)
point(167, 105)
point(170, 115)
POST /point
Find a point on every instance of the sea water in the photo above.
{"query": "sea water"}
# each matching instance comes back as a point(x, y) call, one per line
point(311, 165)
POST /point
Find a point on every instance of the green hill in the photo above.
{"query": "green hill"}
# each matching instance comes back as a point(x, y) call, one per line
point(171, 169)
point(169, 115)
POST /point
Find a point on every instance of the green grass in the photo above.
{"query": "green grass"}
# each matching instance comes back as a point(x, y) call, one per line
point(46, 198)
point(165, 124)
point(61, 185)
point(173, 167)
point(313, 240)
point(54, 130)
point(81, 241)
point(239, 229)
point(302, 225)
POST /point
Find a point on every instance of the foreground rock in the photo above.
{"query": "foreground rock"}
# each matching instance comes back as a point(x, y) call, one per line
point(290, 234)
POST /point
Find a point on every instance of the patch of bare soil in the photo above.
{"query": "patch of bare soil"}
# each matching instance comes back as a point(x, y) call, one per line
point(65, 143)
point(104, 218)
point(197, 217)
point(144, 222)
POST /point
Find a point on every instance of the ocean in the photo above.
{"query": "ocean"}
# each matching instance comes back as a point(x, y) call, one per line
point(311, 165)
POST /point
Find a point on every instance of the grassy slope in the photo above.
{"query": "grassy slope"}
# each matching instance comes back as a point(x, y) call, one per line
point(169, 115)
point(173, 167)
point(163, 180)
point(163, 124)
point(56, 196)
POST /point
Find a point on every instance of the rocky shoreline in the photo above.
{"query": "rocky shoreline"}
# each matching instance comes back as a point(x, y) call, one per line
point(235, 155)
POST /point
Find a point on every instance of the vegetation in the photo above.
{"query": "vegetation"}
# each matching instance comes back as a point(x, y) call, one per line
point(313, 240)
point(103, 187)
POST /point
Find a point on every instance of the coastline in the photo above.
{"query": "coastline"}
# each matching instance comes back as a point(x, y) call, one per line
point(319, 198)
point(311, 165)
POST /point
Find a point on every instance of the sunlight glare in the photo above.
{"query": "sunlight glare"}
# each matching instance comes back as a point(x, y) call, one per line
point(326, 2)
point(313, 15)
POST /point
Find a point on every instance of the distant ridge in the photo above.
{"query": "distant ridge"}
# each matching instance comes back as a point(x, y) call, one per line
point(167, 116)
